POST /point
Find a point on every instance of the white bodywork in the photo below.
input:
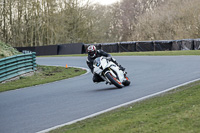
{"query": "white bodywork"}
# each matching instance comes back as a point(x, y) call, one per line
point(101, 63)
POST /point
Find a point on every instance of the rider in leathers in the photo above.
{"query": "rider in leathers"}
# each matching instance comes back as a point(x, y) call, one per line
point(93, 53)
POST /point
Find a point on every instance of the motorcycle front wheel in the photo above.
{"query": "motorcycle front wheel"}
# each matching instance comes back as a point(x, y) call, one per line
point(114, 80)
point(126, 82)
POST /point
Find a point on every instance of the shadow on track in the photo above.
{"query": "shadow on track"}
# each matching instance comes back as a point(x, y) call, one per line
point(108, 89)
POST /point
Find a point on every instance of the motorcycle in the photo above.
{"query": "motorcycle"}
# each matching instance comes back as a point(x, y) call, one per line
point(110, 72)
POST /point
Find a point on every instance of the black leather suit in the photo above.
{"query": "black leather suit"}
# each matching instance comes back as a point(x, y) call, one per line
point(96, 77)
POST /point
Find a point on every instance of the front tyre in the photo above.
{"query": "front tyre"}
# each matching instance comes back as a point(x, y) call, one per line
point(114, 80)
point(126, 82)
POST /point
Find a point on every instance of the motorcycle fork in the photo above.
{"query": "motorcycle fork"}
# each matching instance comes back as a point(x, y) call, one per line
point(116, 75)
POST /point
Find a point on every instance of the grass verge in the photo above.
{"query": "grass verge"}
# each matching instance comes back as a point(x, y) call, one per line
point(159, 53)
point(151, 53)
point(44, 74)
point(7, 50)
point(173, 112)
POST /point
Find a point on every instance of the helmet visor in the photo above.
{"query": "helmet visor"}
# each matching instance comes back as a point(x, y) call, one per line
point(91, 53)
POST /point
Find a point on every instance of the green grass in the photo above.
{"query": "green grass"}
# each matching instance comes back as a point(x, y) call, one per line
point(44, 74)
point(151, 53)
point(174, 112)
point(7, 50)
point(159, 53)
point(71, 55)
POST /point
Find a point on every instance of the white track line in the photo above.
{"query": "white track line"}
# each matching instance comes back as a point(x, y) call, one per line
point(115, 107)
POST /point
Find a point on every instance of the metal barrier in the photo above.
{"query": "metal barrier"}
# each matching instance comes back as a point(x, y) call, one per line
point(134, 46)
point(16, 65)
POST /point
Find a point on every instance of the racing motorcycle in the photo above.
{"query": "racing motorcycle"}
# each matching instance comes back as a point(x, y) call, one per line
point(110, 72)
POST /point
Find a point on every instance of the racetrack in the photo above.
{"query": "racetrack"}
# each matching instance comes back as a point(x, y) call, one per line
point(40, 107)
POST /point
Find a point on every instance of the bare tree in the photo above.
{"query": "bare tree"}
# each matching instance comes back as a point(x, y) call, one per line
point(46, 22)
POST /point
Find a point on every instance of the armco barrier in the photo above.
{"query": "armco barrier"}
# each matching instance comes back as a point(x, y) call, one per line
point(46, 50)
point(127, 46)
point(144, 46)
point(110, 47)
point(74, 48)
point(158, 45)
point(13, 66)
point(162, 45)
point(197, 44)
point(134, 46)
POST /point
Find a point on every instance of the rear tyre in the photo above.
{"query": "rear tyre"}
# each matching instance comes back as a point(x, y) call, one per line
point(114, 80)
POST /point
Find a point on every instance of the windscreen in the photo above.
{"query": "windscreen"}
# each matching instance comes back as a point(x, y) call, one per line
point(97, 62)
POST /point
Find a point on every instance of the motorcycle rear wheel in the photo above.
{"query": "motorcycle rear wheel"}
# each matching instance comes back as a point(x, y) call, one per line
point(114, 80)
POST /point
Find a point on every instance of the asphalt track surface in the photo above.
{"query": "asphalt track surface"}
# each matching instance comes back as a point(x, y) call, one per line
point(37, 108)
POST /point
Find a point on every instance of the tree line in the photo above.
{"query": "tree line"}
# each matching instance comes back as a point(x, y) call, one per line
point(48, 22)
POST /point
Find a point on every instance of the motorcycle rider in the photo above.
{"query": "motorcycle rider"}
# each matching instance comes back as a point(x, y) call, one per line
point(93, 53)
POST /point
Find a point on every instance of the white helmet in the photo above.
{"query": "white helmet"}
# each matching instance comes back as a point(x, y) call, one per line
point(92, 51)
